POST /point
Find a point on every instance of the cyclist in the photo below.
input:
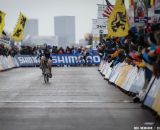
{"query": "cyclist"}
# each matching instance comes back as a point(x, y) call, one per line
point(47, 57)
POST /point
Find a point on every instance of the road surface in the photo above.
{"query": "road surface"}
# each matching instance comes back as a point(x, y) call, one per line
point(77, 98)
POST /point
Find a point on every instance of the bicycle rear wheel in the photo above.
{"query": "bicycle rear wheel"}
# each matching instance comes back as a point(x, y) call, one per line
point(45, 78)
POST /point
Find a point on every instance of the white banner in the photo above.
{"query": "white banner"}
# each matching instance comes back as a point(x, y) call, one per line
point(99, 26)
point(131, 14)
point(101, 9)
point(151, 15)
point(157, 18)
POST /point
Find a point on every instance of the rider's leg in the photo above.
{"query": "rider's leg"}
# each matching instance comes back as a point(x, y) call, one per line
point(50, 66)
point(42, 63)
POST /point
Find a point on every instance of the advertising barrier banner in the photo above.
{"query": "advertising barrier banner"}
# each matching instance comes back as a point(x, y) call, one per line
point(59, 59)
point(27, 60)
point(75, 59)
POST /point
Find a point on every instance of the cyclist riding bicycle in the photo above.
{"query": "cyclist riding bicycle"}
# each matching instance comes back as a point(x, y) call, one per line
point(46, 58)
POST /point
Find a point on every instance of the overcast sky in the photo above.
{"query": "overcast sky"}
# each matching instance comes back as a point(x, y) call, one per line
point(45, 10)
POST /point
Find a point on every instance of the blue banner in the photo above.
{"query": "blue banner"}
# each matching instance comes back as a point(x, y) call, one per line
point(27, 60)
point(60, 59)
point(67, 59)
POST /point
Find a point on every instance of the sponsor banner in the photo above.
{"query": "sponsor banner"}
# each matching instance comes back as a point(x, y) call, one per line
point(66, 59)
point(75, 59)
point(140, 11)
point(27, 60)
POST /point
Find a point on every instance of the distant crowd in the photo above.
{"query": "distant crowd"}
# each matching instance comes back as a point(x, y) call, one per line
point(6, 50)
point(35, 50)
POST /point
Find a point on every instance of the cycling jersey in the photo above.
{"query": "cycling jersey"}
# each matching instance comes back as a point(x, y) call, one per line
point(47, 54)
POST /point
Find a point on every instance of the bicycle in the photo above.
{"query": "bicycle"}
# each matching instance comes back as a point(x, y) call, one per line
point(45, 71)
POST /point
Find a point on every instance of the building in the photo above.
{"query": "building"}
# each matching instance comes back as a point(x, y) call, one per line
point(31, 28)
point(40, 40)
point(83, 42)
point(64, 28)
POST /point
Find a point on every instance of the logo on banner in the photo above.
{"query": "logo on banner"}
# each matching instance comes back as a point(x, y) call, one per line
point(27, 60)
point(74, 59)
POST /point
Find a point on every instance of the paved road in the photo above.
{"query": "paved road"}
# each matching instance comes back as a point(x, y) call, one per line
point(75, 99)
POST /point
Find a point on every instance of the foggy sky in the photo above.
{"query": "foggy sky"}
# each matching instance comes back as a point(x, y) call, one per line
point(45, 10)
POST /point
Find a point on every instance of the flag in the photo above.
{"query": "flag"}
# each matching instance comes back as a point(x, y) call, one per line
point(19, 29)
point(108, 9)
point(152, 3)
point(2, 21)
point(131, 2)
point(118, 25)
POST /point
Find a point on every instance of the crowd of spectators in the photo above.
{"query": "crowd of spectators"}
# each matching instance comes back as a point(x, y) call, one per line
point(6, 50)
point(28, 50)
point(81, 52)
point(140, 48)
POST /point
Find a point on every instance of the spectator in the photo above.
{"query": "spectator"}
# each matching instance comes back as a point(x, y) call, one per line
point(61, 50)
point(140, 48)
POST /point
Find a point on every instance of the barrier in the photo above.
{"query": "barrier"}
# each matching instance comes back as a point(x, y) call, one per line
point(156, 104)
point(1, 66)
point(123, 75)
point(11, 62)
point(15, 62)
point(113, 73)
point(30, 61)
point(7, 63)
point(139, 81)
point(132, 79)
point(153, 98)
point(27, 60)
point(58, 60)
point(104, 69)
point(69, 59)
point(101, 65)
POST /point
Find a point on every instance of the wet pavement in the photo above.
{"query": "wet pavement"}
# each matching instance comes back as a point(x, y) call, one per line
point(77, 98)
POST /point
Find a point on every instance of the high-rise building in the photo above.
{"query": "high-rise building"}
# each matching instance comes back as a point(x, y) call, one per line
point(64, 28)
point(41, 40)
point(31, 27)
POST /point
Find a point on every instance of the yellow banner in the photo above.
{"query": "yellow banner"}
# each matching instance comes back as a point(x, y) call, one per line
point(118, 25)
point(19, 29)
point(2, 21)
